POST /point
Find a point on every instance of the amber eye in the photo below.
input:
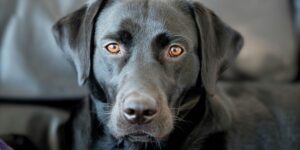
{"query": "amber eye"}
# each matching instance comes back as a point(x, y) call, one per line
point(175, 51)
point(113, 48)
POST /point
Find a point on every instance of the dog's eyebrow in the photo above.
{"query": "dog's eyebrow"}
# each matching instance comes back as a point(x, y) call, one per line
point(124, 34)
point(121, 36)
point(129, 25)
point(166, 38)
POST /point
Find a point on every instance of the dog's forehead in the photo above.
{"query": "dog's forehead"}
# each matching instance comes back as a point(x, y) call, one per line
point(154, 16)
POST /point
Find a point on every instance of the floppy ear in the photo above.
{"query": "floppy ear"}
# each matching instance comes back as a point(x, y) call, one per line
point(74, 35)
point(219, 45)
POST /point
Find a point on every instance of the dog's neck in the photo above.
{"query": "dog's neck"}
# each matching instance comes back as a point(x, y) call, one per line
point(192, 118)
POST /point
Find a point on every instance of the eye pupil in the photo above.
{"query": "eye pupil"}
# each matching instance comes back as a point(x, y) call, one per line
point(175, 50)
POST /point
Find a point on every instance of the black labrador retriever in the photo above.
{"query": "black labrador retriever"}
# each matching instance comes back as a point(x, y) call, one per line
point(152, 67)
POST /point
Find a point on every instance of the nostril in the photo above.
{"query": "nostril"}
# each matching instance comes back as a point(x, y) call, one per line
point(136, 116)
point(130, 111)
point(149, 112)
point(139, 111)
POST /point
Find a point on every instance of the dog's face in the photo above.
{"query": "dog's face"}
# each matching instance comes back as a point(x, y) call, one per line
point(144, 59)
point(146, 55)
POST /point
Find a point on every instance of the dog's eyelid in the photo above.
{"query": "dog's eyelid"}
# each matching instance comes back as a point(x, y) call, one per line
point(178, 44)
point(110, 42)
point(180, 41)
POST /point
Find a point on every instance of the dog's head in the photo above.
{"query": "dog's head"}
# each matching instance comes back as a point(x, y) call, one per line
point(146, 55)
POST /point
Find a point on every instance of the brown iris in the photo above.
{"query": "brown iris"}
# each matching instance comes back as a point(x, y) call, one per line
point(175, 51)
point(113, 48)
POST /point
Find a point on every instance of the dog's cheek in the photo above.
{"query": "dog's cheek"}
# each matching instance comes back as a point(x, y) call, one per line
point(102, 67)
point(165, 122)
point(113, 122)
point(189, 72)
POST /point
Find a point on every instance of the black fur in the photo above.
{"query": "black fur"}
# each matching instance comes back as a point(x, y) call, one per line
point(233, 117)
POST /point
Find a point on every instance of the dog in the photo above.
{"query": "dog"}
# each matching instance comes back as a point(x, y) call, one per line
point(152, 68)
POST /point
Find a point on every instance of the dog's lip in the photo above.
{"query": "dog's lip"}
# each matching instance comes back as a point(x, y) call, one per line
point(140, 137)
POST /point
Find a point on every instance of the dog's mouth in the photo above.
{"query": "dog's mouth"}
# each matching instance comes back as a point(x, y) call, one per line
point(140, 137)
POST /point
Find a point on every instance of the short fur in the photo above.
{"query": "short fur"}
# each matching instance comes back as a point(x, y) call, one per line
point(204, 117)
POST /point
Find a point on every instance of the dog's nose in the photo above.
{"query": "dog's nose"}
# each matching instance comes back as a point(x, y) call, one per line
point(139, 111)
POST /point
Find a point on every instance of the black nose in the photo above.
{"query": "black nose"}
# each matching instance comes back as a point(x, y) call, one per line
point(139, 111)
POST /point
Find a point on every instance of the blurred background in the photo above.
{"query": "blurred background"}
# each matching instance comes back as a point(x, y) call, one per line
point(38, 87)
point(31, 64)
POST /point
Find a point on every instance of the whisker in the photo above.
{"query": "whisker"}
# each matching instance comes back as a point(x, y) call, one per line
point(158, 144)
point(178, 119)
